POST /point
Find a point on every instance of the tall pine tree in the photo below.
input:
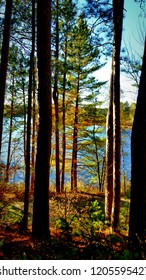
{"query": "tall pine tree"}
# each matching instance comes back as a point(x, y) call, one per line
point(40, 225)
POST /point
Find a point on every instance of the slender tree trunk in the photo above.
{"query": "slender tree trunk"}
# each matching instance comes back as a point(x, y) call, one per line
point(137, 223)
point(40, 225)
point(75, 144)
point(27, 170)
point(4, 61)
point(63, 120)
point(118, 7)
point(103, 174)
point(10, 132)
point(57, 145)
point(97, 158)
point(109, 158)
point(112, 191)
point(24, 122)
point(33, 98)
point(63, 139)
point(33, 134)
point(27, 166)
point(55, 96)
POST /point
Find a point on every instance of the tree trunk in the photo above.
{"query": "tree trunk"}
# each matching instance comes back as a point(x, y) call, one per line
point(109, 158)
point(27, 166)
point(55, 96)
point(27, 170)
point(63, 119)
point(24, 121)
point(112, 191)
point(137, 223)
point(33, 133)
point(75, 145)
point(57, 144)
point(40, 225)
point(10, 132)
point(97, 158)
point(4, 61)
point(118, 7)
point(33, 98)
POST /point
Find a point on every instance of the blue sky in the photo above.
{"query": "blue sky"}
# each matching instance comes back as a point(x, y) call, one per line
point(134, 31)
point(132, 39)
point(133, 24)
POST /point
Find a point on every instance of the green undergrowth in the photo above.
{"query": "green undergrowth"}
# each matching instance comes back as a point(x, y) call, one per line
point(77, 226)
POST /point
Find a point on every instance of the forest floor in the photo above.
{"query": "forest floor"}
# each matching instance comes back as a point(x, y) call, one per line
point(15, 245)
point(77, 229)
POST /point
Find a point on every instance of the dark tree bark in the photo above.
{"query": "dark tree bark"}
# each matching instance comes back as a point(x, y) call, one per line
point(118, 7)
point(10, 132)
point(109, 158)
point(74, 151)
point(40, 225)
point(27, 166)
point(4, 61)
point(137, 223)
point(55, 97)
point(24, 121)
point(33, 131)
point(99, 175)
point(63, 118)
point(75, 142)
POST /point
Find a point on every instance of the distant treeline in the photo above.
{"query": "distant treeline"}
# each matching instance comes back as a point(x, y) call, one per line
point(127, 112)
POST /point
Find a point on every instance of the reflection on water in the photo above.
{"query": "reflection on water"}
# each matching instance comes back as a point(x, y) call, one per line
point(17, 154)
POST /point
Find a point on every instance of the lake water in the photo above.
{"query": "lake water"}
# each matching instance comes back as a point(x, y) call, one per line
point(17, 152)
point(126, 153)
